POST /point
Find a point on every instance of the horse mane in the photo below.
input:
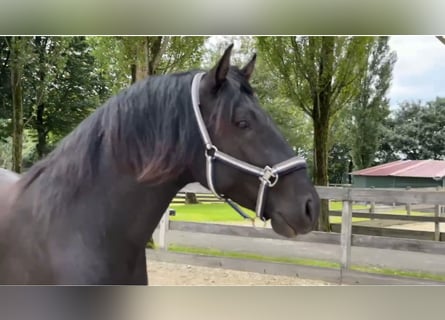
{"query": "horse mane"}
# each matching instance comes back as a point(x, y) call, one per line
point(147, 130)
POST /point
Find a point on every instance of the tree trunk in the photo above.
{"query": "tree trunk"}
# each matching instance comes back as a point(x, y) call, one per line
point(133, 69)
point(41, 97)
point(41, 132)
point(155, 49)
point(17, 105)
point(321, 115)
point(321, 167)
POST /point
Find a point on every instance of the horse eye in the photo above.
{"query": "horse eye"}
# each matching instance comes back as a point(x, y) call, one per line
point(243, 124)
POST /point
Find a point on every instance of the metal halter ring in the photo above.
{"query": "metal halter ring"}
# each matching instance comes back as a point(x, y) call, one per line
point(211, 151)
point(269, 176)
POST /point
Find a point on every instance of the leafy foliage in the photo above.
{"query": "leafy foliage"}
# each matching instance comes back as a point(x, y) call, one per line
point(64, 87)
point(415, 132)
point(370, 108)
point(5, 89)
point(123, 60)
point(339, 163)
point(61, 86)
point(320, 75)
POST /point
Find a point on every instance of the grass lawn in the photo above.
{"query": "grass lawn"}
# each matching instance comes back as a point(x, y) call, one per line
point(207, 212)
point(222, 212)
point(251, 256)
point(338, 206)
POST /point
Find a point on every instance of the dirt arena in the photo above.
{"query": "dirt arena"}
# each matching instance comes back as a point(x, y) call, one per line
point(172, 274)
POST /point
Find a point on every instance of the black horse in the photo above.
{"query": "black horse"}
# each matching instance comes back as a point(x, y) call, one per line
point(84, 214)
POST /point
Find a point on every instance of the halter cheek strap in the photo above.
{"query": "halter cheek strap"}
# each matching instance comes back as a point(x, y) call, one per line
point(268, 176)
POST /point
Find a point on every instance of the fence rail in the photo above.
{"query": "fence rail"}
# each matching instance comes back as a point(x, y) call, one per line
point(408, 196)
point(412, 196)
point(425, 246)
point(180, 198)
point(388, 216)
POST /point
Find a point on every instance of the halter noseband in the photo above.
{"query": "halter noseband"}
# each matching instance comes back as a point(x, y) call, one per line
point(268, 176)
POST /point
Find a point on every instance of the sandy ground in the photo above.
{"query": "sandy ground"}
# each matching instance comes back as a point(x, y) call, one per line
point(172, 274)
point(422, 226)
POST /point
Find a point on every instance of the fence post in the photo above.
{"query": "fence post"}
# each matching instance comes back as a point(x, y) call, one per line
point(408, 205)
point(437, 223)
point(437, 210)
point(372, 207)
point(163, 229)
point(346, 236)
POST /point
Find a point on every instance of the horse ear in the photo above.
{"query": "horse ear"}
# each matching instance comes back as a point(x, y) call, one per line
point(247, 70)
point(219, 72)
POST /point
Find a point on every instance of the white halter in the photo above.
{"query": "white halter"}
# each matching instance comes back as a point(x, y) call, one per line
point(268, 175)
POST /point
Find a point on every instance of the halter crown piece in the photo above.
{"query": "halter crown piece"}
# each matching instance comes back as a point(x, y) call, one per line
point(268, 176)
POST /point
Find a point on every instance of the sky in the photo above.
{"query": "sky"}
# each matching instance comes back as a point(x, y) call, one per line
point(419, 73)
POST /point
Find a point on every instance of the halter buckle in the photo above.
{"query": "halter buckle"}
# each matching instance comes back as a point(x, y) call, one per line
point(269, 177)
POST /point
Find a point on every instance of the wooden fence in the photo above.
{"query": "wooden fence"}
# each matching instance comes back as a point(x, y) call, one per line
point(345, 238)
point(349, 195)
point(201, 197)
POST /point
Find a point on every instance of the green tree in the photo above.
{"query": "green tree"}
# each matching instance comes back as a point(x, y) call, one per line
point(19, 51)
point(42, 69)
point(111, 62)
point(415, 131)
point(59, 87)
point(80, 88)
point(63, 88)
point(339, 163)
point(371, 106)
point(402, 133)
point(320, 75)
point(124, 60)
point(432, 135)
point(5, 91)
point(214, 47)
point(293, 122)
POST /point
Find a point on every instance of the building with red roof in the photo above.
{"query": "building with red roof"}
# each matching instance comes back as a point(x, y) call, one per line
point(402, 174)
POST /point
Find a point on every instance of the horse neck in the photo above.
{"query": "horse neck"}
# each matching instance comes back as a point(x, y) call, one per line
point(113, 207)
point(135, 209)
